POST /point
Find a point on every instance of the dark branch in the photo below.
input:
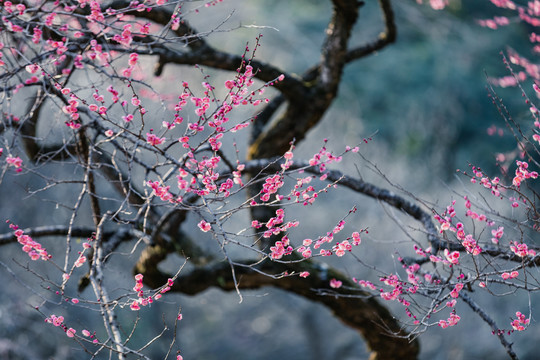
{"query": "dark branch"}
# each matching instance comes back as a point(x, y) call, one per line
point(357, 309)
point(387, 37)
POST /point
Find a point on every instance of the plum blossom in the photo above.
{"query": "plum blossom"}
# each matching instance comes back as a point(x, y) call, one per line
point(153, 139)
point(204, 226)
point(455, 292)
point(16, 162)
point(521, 322)
point(452, 257)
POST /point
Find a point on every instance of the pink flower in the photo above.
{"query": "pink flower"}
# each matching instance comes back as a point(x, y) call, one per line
point(304, 274)
point(453, 319)
point(277, 251)
point(71, 332)
point(438, 4)
point(336, 284)
point(14, 161)
point(306, 253)
point(443, 324)
point(56, 320)
point(153, 139)
point(521, 322)
point(204, 226)
point(32, 69)
point(452, 257)
point(80, 261)
point(455, 292)
point(135, 305)
point(356, 238)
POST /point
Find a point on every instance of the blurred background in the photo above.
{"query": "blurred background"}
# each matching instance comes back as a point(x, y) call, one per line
point(424, 102)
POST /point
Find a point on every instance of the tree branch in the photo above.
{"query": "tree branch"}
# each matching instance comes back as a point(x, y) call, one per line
point(387, 37)
point(357, 309)
point(496, 330)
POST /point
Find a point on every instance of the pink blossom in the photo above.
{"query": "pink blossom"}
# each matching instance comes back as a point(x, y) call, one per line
point(32, 69)
point(453, 319)
point(356, 238)
point(438, 4)
point(80, 261)
point(336, 284)
point(135, 305)
point(204, 226)
point(153, 139)
point(341, 248)
point(452, 257)
point(521, 322)
point(279, 250)
point(304, 274)
point(521, 249)
point(443, 324)
point(455, 292)
point(55, 320)
point(14, 161)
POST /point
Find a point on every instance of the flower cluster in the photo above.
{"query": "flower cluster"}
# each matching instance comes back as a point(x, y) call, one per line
point(523, 173)
point(281, 248)
point(147, 300)
point(29, 246)
point(451, 321)
point(521, 249)
point(520, 323)
point(16, 162)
